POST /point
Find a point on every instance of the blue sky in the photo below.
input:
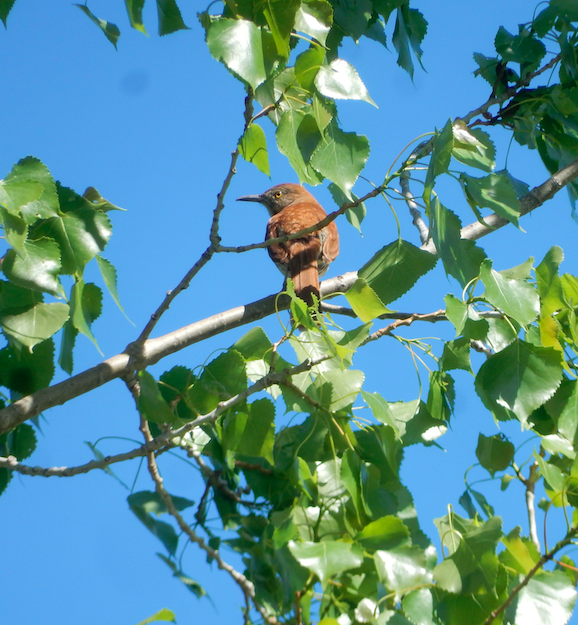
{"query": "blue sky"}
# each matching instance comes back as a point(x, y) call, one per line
point(152, 126)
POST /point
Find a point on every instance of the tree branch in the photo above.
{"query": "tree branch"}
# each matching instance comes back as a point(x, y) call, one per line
point(545, 558)
point(532, 200)
point(166, 440)
point(155, 349)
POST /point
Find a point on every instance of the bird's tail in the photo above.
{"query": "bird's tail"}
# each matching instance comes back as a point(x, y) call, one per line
point(303, 268)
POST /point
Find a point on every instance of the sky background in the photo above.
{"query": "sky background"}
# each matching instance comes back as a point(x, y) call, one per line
point(152, 126)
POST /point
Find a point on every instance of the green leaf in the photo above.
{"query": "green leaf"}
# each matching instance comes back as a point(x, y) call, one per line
point(110, 30)
point(259, 434)
point(26, 372)
point(170, 18)
point(5, 6)
point(97, 201)
point(314, 18)
point(516, 298)
point(253, 148)
point(222, 378)
point(85, 307)
point(522, 48)
point(190, 583)
point(280, 18)
point(174, 386)
point(441, 395)
point(326, 559)
point(473, 147)
point(395, 269)
point(307, 65)
point(108, 272)
point(15, 230)
point(473, 566)
point(100, 456)
point(386, 533)
point(21, 442)
point(162, 615)
point(495, 453)
point(548, 599)
point(151, 403)
point(352, 17)
point(153, 503)
point(456, 355)
point(287, 141)
point(563, 407)
point(461, 257)
point(520, 553)
point(341, 156)
point(163, 531)
point(441, 155)
point(35, 324)
point(402, 568)
point(364, 301)
point(239, 45)
point(37, 266)
point(381, 410)
point(340, 81)
point(134, 9)
point(410, 29)
point(418, 606)
point(254, 345)
point(495, 192)
point(519, 379)
point(81, 232)
point(354, 215)
point(21, 184)
point(465, 319)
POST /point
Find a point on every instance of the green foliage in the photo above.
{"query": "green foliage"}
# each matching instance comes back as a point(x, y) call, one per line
point(314, 501)
point(51, 231)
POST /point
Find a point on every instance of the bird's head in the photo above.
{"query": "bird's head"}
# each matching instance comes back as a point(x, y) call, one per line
point(280, 196)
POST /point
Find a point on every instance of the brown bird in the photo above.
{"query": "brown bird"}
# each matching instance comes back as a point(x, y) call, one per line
point(293, 208)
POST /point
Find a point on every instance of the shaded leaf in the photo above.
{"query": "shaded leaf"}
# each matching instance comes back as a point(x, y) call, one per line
point(170, 18)
point(326, 559)
point(35, 324)
point(253, 148)
point(519, 379)
point(395, 269)
point(110, 30)
point(461, 257)
point(516, 298)
point(495, 453)
point(36, 267)
point(151, 403)
point(340, 157)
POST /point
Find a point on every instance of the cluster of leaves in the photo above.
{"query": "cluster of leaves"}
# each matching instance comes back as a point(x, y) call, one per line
point(52, 232)
point(329, 521)
point(297, 88)
point(541, 117)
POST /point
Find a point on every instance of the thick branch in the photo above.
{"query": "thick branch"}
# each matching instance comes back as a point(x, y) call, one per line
point(537, 196)
point(166, 440)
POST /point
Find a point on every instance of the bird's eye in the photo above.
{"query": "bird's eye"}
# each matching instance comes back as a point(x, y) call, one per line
point(278, 193)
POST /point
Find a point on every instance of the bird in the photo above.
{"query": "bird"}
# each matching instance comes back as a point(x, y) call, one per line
point(292, 208)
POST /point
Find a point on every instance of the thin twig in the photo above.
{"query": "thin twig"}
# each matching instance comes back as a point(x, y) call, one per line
point(510, 92)
point(246, 585)
point(166, 440)
point(434, 316)
point(206, 256)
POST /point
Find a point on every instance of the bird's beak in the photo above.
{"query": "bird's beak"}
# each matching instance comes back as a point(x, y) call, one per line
point(250, 198)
